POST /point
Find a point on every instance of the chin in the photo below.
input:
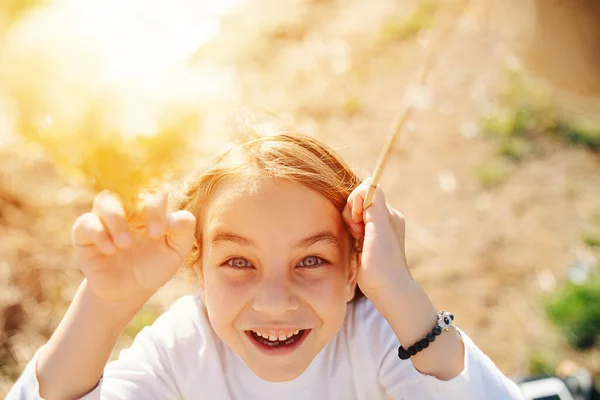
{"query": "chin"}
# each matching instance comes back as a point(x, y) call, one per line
point(280, 374)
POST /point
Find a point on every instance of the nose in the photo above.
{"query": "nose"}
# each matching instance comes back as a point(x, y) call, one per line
point(275, 297)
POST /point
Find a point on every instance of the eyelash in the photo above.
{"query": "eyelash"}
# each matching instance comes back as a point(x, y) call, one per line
point(229, 263)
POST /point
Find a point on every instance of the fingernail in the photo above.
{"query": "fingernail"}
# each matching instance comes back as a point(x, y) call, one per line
point(155, 230)
point(171, 220)
point(124, 240)
point(108, 247)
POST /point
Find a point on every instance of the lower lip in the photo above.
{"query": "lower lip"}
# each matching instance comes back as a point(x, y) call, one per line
point(278, 351)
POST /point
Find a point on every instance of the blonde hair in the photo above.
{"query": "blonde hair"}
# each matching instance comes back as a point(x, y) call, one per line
point(292, 156)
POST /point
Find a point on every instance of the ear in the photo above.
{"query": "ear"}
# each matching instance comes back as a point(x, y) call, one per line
point(353, 266)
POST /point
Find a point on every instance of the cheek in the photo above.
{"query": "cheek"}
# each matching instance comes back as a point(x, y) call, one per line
point(224, 299)
point(325, 293)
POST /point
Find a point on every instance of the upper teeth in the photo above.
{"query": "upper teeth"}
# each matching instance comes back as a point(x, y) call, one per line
point(273, 337)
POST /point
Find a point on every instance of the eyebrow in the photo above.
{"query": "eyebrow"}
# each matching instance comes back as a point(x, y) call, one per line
point(327, 237)
point(228, 237)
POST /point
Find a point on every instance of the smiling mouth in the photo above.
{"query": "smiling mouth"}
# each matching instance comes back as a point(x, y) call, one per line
point(288, 343)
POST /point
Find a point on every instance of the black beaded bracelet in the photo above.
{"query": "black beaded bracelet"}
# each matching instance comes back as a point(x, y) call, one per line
point(445, 320)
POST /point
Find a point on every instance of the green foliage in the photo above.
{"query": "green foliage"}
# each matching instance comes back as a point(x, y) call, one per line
point(524, 114)
point(398, 29)
point(514, 148)
point(527, 113)
point(579, 134)
point(490, 173)
point(497, 125)
point(541, 364)
point(575, 310)
point(592, 239)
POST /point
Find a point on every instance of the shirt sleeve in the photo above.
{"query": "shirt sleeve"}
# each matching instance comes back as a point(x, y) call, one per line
point(143, 371)
point(26, 387)
point(137, 373)
point(480, 378)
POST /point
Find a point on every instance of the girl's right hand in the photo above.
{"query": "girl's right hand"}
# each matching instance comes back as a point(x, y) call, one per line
point(126, 263)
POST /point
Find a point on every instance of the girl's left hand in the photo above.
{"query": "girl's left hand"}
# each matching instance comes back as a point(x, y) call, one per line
point(381, 230)
point(383, 277)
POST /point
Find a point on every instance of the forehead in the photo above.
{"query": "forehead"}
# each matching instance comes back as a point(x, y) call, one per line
point(270, 204)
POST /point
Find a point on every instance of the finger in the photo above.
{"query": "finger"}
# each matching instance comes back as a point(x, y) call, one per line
point(181, 230)
point(155, 212)
point(88, 231)
point(110, 211)
point(357, 199)
point(357, 207)
point(356, 229)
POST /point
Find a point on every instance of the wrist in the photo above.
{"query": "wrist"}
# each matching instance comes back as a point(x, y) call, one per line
point(406, 306)
point(117, 314)
point(392, 289)
point(412, 315)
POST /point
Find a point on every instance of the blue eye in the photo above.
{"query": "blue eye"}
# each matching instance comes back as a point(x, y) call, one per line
point(311, 262)
point(238, 263)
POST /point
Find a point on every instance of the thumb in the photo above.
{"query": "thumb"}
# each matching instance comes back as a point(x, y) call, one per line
point(181, 227)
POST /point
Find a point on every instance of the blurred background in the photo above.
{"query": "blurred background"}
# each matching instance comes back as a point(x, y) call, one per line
point(497, 172)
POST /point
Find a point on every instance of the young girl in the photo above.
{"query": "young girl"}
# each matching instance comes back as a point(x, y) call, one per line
point(304, 294)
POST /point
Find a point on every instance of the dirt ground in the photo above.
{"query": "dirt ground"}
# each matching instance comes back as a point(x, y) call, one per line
point(337, 71)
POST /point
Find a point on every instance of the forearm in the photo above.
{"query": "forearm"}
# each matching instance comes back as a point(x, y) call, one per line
point(72, 362)
point(412, 315)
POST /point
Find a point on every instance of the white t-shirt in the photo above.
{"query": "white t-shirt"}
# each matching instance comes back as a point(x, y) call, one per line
point(181, 357)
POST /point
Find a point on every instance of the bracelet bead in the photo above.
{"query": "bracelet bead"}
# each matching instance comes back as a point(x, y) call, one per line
point(445, 320)
point(403, 354)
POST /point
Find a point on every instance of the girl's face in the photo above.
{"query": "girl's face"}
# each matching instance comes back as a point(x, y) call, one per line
point(276, 274)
